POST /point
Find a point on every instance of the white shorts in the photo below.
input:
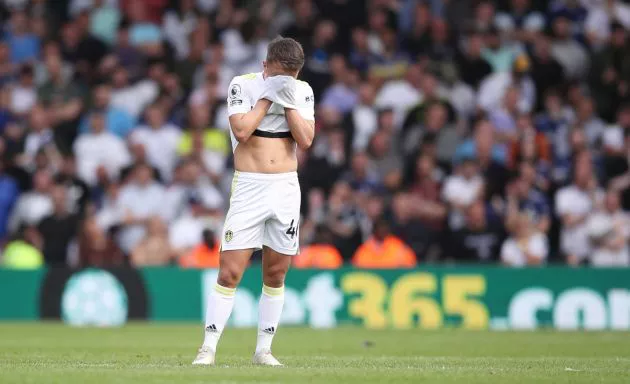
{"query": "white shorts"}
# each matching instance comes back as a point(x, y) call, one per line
point(264, 211)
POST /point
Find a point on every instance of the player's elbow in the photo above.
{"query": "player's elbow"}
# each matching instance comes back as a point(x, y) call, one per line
point(305, 143)
point(240, 135)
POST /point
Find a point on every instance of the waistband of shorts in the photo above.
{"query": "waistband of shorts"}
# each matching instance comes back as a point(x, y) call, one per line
point(254, 176)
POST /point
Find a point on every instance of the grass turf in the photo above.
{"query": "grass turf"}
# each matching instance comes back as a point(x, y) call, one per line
point(144, 353)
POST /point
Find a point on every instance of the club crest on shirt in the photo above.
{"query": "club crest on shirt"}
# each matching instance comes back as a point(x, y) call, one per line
point(228, 236)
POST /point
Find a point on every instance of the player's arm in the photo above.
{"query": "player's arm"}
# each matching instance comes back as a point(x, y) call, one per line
point(244, 117)
point(244, 124)
point(302, 130)
point(301, 119)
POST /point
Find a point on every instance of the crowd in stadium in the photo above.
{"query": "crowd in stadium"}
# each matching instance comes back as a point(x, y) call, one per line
point(467, 131)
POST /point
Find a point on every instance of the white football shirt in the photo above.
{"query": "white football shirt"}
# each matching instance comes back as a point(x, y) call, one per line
point(245, 90)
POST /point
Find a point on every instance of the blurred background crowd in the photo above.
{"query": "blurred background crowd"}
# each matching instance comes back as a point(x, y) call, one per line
point(466, 131)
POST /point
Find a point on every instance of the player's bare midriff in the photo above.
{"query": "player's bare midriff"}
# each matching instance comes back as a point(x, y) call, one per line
point(266, 155)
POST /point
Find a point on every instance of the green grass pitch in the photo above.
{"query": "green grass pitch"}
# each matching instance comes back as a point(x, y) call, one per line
point(144, 353)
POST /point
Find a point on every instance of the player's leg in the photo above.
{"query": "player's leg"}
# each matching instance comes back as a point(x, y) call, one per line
point(280, 243)
point(220, 303)
point(243, 232)
point(275, 266)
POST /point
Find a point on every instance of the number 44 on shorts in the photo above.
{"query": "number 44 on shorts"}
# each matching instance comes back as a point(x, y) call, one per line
point(292, 231)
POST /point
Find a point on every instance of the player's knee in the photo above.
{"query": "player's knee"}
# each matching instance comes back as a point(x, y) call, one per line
point(229, 276)
point(274, 276)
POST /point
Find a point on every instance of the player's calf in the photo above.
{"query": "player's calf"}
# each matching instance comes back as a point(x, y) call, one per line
point(221, 302)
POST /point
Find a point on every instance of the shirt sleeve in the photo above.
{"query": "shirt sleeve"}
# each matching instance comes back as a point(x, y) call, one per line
point(306, 102)
point(238, 101)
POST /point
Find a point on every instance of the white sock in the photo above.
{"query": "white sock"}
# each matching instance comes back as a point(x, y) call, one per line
point(269, 311)
point(220, 304)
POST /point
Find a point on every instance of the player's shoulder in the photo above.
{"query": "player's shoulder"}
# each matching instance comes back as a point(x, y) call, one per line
point(306, 91)
point(246, 77)
point(245, 80)
point(304, 86)
point(242, 84)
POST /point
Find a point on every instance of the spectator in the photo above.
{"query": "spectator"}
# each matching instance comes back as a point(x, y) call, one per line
point(385, 160)
point(23, 44)
point(574, 203)
point(208, 145)
point(24, 93)
point(40, 136)
point(526, 246)
point(117, 120)
point(417, 39)
point(504, 118)
point(493, 88)
point(160, 140)
point(533, 147)
point(318, 53)
point(401, 95)
point(599, 19)
point(383, 250)
point(482, 143)
point(78, 192)
point(361, 176)
point(547, 73)
point(58, 230)
point(186, 231)
point(301, 28)
point(472, 67)
point(97, 248)
point(99, 149)
point(478, 240)
point(133, 98)
point(126, 55)
point(524, 199)
point(344, 219)
point(178, 24)
point(609, 232)
point(499, 56)
point(431, 124)
point(81, 48)
point(205, 255)
point(521, 23)
point(363, 118)
point(588, 121)
point(360, 54)
point(33, 206)
point(575, 11)
point(154, 249)
point(144, 32)
point(420, 214)
point(104, 21)
point(610, 73)
point(389, 62)
point(342, 94)
point(64, 99)
point(568, 52)
point(140, 200)
point(461, 190)
point(321, 253)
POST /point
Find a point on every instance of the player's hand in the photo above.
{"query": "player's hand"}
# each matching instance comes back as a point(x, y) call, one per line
point(281, 90)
